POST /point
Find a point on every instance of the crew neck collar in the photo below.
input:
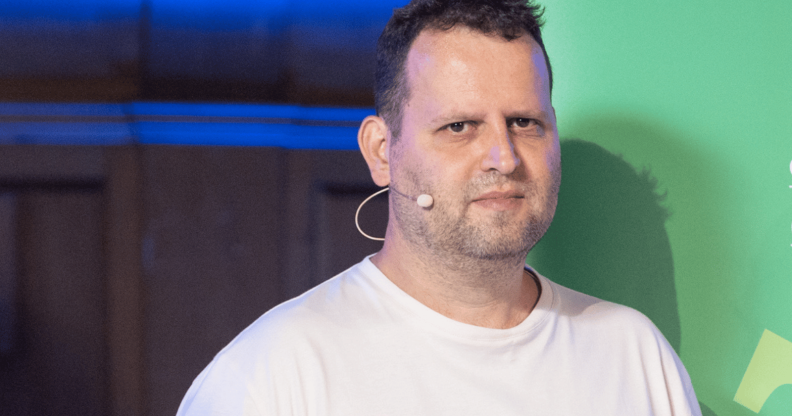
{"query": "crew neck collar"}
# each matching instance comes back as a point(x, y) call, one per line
point(436, 322)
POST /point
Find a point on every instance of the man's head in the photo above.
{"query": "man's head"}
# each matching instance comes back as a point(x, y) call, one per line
point(508, 19)
point(478, 133)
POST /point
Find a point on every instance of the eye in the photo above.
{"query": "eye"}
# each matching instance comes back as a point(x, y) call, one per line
point(523, 122)
point(458, 127)
point(526, 127)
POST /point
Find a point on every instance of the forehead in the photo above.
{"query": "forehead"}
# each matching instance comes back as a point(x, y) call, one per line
point(472, 65)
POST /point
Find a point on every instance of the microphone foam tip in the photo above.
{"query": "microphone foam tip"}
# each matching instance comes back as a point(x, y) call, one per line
point(425, 201)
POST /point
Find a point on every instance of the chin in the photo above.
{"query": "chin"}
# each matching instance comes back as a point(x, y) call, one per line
point(496, 241)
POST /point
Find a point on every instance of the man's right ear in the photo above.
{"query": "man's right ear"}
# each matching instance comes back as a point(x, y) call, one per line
point(373, 142)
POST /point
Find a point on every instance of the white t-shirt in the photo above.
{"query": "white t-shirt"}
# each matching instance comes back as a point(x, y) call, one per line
point(359, 345)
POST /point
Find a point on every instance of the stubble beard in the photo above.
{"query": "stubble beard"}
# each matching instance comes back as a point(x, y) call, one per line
point(447, 230)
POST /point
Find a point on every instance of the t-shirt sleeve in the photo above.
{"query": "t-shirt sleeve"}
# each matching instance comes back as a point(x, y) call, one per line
point(682, 398)
point(667, 380)
point(220, 391)
point(257, 374)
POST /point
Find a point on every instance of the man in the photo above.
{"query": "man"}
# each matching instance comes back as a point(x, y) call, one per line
point(446, 319)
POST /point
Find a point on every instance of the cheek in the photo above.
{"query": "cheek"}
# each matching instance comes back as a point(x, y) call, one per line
point(551, 159)
point(453, 178)
point(412, 174)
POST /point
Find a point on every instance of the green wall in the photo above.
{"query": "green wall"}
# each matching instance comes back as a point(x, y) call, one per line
point(677, 189)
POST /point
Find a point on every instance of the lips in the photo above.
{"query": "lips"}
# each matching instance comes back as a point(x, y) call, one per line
point(499, 195)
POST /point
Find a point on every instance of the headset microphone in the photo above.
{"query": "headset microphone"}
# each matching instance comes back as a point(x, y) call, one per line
point(424, 201)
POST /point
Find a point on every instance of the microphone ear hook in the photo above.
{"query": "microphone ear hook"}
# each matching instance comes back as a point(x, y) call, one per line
point(357, 213)
point(424, 201)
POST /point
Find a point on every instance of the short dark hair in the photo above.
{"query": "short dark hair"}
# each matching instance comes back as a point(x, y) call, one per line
point(509, 19)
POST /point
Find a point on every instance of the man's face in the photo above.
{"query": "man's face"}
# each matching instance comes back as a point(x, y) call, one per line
point(479, 135)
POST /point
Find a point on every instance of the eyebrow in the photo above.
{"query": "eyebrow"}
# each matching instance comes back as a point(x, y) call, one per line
point(457, 117)
point(539, 115)
point(454, 117)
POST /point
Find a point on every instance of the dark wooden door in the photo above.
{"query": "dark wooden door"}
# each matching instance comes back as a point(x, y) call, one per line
point(123, 270)
point(53, 354)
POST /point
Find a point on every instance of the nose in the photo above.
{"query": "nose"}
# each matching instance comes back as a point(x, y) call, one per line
point(500, 152)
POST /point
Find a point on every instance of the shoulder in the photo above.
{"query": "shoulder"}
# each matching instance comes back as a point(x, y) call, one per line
point(598, 314)
point(257, 370)
point(608, 329)
point(625, 342)
point(303, 320)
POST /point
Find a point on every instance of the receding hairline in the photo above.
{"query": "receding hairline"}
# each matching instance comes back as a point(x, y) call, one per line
point(534, 45)
point(390, 102)
point(404, 74)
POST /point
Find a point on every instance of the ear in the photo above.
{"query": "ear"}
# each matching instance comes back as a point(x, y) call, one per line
point(373, 142)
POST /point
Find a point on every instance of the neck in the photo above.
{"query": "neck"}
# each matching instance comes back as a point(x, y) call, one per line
point(493, 293)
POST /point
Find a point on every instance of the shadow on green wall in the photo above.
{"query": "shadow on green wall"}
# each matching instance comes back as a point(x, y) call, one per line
point(608, 238)
point(706, 411)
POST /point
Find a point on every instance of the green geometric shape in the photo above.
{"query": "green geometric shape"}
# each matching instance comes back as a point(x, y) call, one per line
point(770, 368)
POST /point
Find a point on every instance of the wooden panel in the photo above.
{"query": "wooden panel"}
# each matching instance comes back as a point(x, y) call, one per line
point(118, 89)
point(340, 244)
point(315, 176)
point(60, 365)
point(125, 325)
point(20, 164)
point(212, 256)
point(9, 275)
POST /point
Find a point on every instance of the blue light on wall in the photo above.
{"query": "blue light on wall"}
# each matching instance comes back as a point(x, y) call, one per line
point(68, 11)
point(291, 127)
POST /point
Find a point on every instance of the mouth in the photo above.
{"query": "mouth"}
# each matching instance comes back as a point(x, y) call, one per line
point(499, 201)
point(496, 195)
